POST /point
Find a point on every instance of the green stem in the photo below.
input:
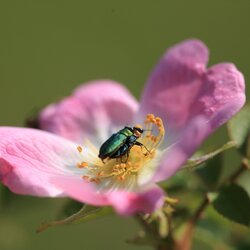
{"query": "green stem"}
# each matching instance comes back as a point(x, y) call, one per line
point(196, 162)
point(244, 166)
point(186, 241)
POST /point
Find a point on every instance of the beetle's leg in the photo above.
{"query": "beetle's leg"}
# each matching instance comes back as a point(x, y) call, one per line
point(121, 159)
point(105, 159)
point(127, 154)
point(142, 145)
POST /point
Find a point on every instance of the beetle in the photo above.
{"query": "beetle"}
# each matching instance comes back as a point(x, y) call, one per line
point(120, 143)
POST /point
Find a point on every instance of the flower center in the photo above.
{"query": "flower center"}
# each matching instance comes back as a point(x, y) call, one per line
point(129, 164)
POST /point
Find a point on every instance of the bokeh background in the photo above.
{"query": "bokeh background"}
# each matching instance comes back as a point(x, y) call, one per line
point(49, 47)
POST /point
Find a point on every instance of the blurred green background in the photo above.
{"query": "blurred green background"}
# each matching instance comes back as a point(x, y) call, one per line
point(47, 48)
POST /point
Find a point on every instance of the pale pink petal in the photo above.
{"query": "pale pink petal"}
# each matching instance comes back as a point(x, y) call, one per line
point(180, 88)
point(173, 85)
point(191, 138)
point(178, 153)
point(125, 203)
point(191, 100)
point(222, 94)
point(93, 111)
point(80, 190)
point(29, 158)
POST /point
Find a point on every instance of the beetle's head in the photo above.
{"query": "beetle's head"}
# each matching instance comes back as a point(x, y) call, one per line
point(137, 131)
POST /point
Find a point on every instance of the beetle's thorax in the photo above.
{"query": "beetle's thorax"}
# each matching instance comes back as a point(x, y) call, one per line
point(127, 131)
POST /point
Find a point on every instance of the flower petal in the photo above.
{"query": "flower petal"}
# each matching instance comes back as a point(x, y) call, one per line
point(125, 203)
point(93, 111)
point(80, 190)
point(222, 94)
point(174, 83)
point(180, 88)
point(29, 158)
point(178, 153)
point(191, 138)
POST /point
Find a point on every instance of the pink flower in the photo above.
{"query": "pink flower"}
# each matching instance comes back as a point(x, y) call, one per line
point(181, 97)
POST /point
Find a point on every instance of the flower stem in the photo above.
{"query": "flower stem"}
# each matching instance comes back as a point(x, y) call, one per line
point(244, 166)
point(186, 241)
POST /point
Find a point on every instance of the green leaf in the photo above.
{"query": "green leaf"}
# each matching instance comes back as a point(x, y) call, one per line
point(210, 174)
point(71, 207)
point(85, 214)
point(207, 239)
point(239, 130)
point(200, 160)
point(233, 203)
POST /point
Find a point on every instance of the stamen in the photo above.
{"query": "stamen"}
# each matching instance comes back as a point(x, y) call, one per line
point(79, 148)
point(121, 178)
point(86, 178)
point(82, 164)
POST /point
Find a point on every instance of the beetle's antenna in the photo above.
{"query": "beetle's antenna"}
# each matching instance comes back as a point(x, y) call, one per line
point(146, 148)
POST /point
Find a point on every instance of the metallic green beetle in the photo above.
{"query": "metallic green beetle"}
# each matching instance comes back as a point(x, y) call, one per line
point(120, 143)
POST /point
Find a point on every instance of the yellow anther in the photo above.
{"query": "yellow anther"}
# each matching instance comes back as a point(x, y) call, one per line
point(153, 120)
point(86, 178)
point(79, 148)
point(158, 119)
point(158, 124)
point(123, 165)
point(121, 178)
point(100, 173)
point(82, 164)
point(96, 180)
point(117, 167)
point(150, 116)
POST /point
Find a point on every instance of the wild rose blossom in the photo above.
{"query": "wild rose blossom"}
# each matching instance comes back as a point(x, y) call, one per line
point(182, 103)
